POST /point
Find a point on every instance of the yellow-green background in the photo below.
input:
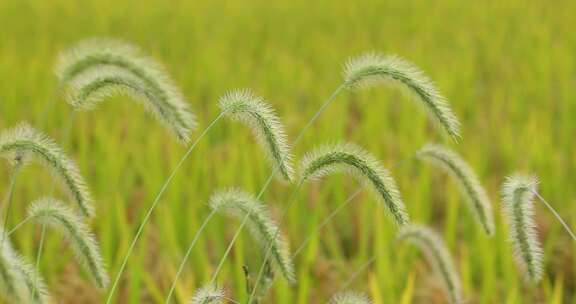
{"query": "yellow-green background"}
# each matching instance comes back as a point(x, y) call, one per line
point(507, 67)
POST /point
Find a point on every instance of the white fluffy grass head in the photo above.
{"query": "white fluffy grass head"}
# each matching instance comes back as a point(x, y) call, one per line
point(373, 69)
point(363, 166)
point(437, 254)
point(244, 106)
point(208, 294)
point(470, 186)
point(350, 297)
point(57, 215)
point(518, 193)
point(239, 204)
point(26, 143)
point(133, 73)
point(20, 282)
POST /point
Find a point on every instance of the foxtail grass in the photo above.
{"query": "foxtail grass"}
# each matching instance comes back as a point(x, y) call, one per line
point(245, 107)
point(55, 214)
point(208, 294)
point(438, 255)
point(470, 186)
point(25, 143)
point(517, 196)
point(97, 68)
point(361, 165)
point(373, 69)
point(237, 203)
point(349, 297)
point(19, 281)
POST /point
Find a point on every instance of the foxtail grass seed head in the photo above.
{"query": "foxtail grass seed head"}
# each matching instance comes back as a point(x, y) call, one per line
point(247, 108)
point(433, 247)
point(102, 67)
point(517, 196)
point(469, 184)
point(208, 294)
point(55, 214)
point(373, 69)
point(19, 281)
point(25, 143)
point(361, 165)
point(349, 297)
point(239, 204)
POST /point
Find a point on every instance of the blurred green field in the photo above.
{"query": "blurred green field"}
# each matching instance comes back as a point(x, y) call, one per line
point(507, 67)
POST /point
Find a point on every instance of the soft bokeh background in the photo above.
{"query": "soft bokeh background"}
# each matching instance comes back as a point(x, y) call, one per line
point(507, 67)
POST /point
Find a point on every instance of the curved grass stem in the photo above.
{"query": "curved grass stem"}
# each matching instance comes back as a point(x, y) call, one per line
point(9, 198)
point(558, 217)
point(187, 255)
point(153, 206)
point(276, 167)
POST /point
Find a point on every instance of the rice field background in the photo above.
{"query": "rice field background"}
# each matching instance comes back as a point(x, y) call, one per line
point(508, 69)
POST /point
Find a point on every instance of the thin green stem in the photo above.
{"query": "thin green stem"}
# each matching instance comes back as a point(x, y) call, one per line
point(268, 246)
point(10, 197)
point(566, 227)
point(276, 167)
point(66, 134)
point(153, 206)
point(188, 252)
point(262, 267)
point(17, 226)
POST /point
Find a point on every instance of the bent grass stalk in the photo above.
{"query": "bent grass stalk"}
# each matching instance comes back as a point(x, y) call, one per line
point(373, 68)
point(517, 196)
point(334, 213)
point(19, 281)
point(88, 65)
point(437, 254)
point(153, 206)
point(54, 213)
point(29, 144)
point(470, 186)
point(358, 163)
point(237, 203)
point(245, 107)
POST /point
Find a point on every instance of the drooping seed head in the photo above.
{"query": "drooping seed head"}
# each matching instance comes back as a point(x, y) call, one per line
point(349, 297)
point(208, 294)
point(240, 204)
point(437, 254)
point(25, 143)
point(19, 281)
point(470, 186)
point(518, 193)
point(98, 68)
point(361, 165)
point(245, 107)
point(372, 69)
point(55, 214)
